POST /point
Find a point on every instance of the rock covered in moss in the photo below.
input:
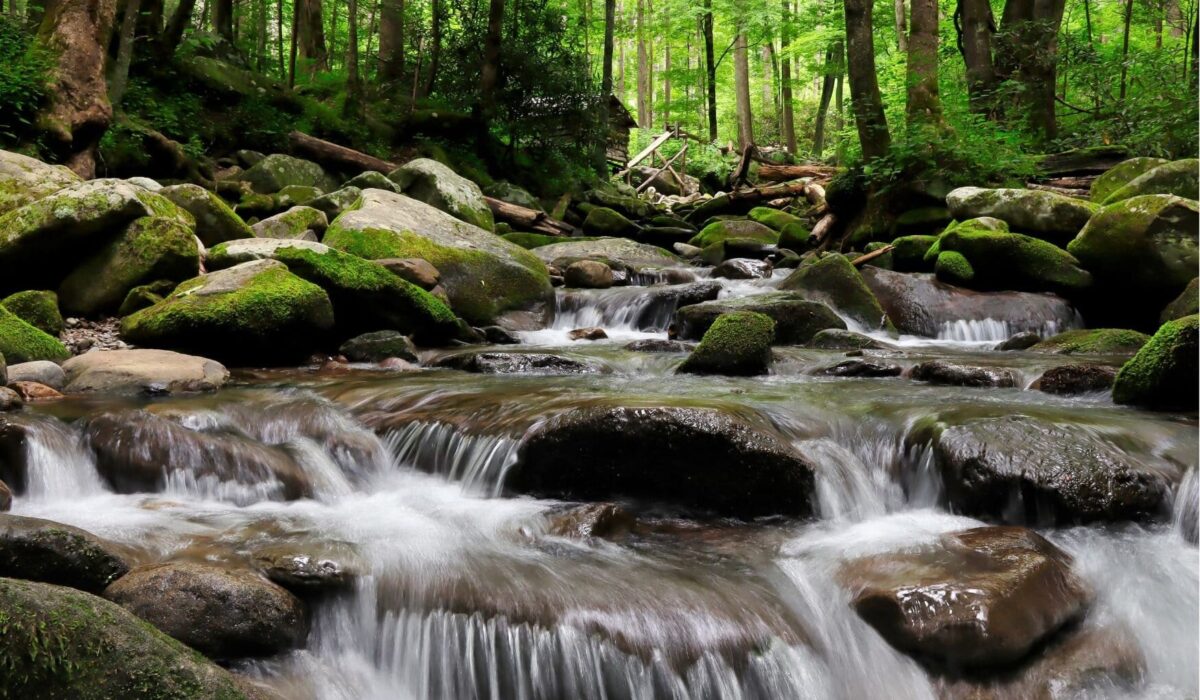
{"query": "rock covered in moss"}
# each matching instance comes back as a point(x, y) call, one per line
point(1186, 304)
point(253, 312)
point(21, 342)
point(38, 308)
point(484, 275)
point(953, 267)
point(151, 248)
point(908, 253)
point(617, 253)
point(1093, 341)
point(335, 202)
point(372, 180)
point(434, 183)
point(233, 253)
point(797, 319)
point(277, 171)
point(529, 241)
point(602, 221)
point(737, 343)
point(366, 296)
point(629, 206)
point(145, 295)
point(506, 191)
point(24, 180)
point(776, 219)
point(720, 231)
point(42, 550)
point(216, 221)
point(297, 223)
point(296, 195)
point(63, 643)
point(1046, 214)
point(835, 282)
point(379, 345)
point(1001, 260)
point(838, 339)
point(1163, 374)
point(921, 221)
point(1119, 175)
point(1180, 178)
point(256, 205)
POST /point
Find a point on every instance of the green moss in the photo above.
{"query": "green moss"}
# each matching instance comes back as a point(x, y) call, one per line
point(602, 221)
point(37, 308)
point(1180, 178)
point(21, 342)
point(1002, 260)
point(259, 205)
point(1186, 304)
point(1163, 374)
point(773, 218)
point(952, 267)
point(908, 253)
point(834, 281)
point(737, 343)
point(720, 231)
point(921, 221)
point(1093, 341)
point(794, 236)
point(144, 296)
point(1118, 176)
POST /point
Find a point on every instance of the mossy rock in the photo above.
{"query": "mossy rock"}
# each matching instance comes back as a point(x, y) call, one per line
point(883, 260)
point(775, 219)
point(216, 221)
point(372, 180)
point(237, 252)
point(908, 253)
point(1093, 341)
point(296, 195)
point(377, 346)
point(63, 643)
point(832, 280)
point(150, 248)
point(256, 205)
point(21, 342)
point(529, 241)
point(921, 221)
point(336, 202)
point(297, 223)
point(1163, 374)
point(616, 252)
point(144, 296)
point(277, 171)
point(602, 221)
point(737, 344)
point(795, 236)
point(1186, 304)
point(1000, 260)
point(38, 308)
point(952, 267)
point(1047, 215)
point(429, 181)
point(1180, 178)
point(797, 319)
point(633, 208)
point(24, 180)
point(506, 191)
point(483, 274)
point(368, 297)
point(1118, 176)
point(721, 231)
point(256, 312)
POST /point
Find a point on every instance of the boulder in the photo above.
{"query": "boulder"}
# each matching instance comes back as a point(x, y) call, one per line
point(506, 191)
point(605, 520)
point(1163, 374)
point(1000, 260)
point(237, 252)
point(152, 372)
point(1119, 175)
point(776, 219)
point(863, 368)
point(1048, 215)
point(839, 339)
point(1186, 304)
point(942, 372)
point(303, 223)
point(1023, 470)
point(1093, 341)
point(702, 458)
point(921, 221)
point(434, 183)
point(1019, 341)
point(24, 180)
point(33, 391)
point(414, 270)
point(908, 253)
point(335, 202)
point(138, 452)
point(278, 171)
point(720, 231)
point(516, 363)
point(590, 333)
point(367, 297)
point(295, 195)
point(615, 252)
point(797, 319)
point(144, 296)
point(41, 550)
point(254, 312)
point(379, 345)
point(483, 274)
point(833, 281)
point(149, 249)
point(743, 269)
point(222, 613)
point(216, 221)
point(307, 571)
point(21, 342)
point(629, 206)
point(37, 308)
point(1076, 379)
point(602, 221)
point(40, 371)
point(737, 344)
point(6, 497)
point(1180, 178)
point(982, 598)
point(91, 649)
point(10, 399)
point(372, 180)
point(588, 274)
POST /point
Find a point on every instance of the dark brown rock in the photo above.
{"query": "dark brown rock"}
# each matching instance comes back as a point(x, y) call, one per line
point(592, 333)
point(1076, 379)
point(591, 520)
point(43, 550)
point(942, 372)
point(743, 269)
point(863, 368)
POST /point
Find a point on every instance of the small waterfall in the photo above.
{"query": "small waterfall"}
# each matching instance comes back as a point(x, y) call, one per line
point(992, 331)
point(56, 461)
point(847, 489)
point(478, 461)
point(624, 308)
point(1186, 516)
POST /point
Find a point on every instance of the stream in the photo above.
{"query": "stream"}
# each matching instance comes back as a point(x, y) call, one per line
point(464, 590)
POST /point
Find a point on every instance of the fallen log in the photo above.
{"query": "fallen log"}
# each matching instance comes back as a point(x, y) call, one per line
point(739, 175)
point(337, 157)
point(864, 259)
point(782, 173)
point(666, 166)
point(760, 194)
point(820, 232)
point(528, 219)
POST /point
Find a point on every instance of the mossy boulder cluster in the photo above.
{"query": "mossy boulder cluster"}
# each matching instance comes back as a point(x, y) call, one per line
point(983, 254)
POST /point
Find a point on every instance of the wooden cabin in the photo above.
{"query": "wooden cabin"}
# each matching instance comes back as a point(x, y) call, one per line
point(620, 121)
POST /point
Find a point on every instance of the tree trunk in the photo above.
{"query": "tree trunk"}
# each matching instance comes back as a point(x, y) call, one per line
point(1042, 68)
point(312, 35)
point(785, 80)
point(435, 45)
point(293, 49)
point(1125, 49)
point(353, 106)
point(741, 88)
point(489, 75)
point(333, 34)
point(667, 75)
point(78, 112)
point(977, 28)
point(923, 106)
point(832, 70)
point(865, 99)
point(178, 23)
point(769, 104)
point(119, 74)
point(901, 27)
point(260, 35)
point(643, 69)
point(391, 40)
point(223, 19)
point(279, 38)
point(711, 68)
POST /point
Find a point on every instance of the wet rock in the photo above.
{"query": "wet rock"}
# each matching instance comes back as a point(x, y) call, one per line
point(414, 270)
point(592, 333)
point(693, 457)
point(832, 280)
point(658, 345)
point(304, 571)
point(222, 613)
point(602, 520)
point(797, 319)
point(1093, 341)
point(588, 274)
point(515, 363)
point(743, 269)
point(1020, 341)
point(142, 372)
point(1164, 373)
point(499, 336)
point(216, 221)
point(736, 344)
point(1054, 216)
point(42, 372)
point(979, 598)
point(50, 552)
point(1024, 470)
point(379, 345)
point(426, 180)
point(840, 339)
point(10, 400)
point(6, 497)
point(33, 391)
point(1076, 379)
point(863, 368)
point(942, 372)
point(109, 652)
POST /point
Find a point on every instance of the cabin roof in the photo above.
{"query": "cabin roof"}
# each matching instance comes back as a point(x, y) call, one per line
point(618, 114)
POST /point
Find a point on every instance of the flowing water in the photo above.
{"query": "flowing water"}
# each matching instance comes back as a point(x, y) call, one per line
point(467, 591)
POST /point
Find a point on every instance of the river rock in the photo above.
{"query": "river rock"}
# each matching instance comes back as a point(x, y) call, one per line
point(1019, 341)
point(222, 613)
point(216, 221)
point(973, 254)
point(693, 457)
point(10, 400)
point(335, 202)
point(1093, 341)
point(1053, 216)
point(839, 339)
point(1164, 373)
point(254, 312)
point(1186, 304)
point(6, 497)
point(942, 372)
point(372, 180)
point(24, 180)
point(863, 368)
point(294, 195)
point(38, 308)
point(305, 571)
point(297, 223)
point(1024, 470)
point(588, 274)
point(591, 333)
point(720, 231)
point(615, 252)
point(516, 363)
point(434, 183)
point(483, 274)
point(797, 319)
point(1076, 379)
point(109, 652)
point(1179, 178)
point(743, 269)
point(414, 270)
point(42, 372)
point(658, 345)
point(922, 305)
point(152, 372)
point(908, 253)
point(233, 253)
point(1119, 175)
point(506, 191)
point(832, 280)
point(379, 345)
point(737, 344)
point(41, 550)
point(21, 342)
point(604, 520)
point(278, 171)
point(978, 598)
point(33, 391)
point(602, 221)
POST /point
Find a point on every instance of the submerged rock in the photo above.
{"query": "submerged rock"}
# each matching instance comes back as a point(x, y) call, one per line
point(516, 363)
point(863, 368)
point(152, 372)
point(1076, 379)
point(591, 520)
point(305, 571)
point(737, 344)
point(379, 345)
point(702, 458)
point(50, 552)
point(1163, 374)
point(658, 345)
point(942, 372)
point(797, 319)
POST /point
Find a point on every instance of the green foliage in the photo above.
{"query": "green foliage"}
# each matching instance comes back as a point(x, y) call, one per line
point(24, 71)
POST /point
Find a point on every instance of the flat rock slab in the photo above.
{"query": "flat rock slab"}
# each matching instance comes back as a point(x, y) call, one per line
point(142, 372)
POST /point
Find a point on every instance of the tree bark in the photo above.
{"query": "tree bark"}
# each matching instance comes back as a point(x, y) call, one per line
point(785, 80)
point(78, 112)
point(1041, 68)
point(311, 35)
point(923, 106)
point(489, 75)
point(119, 74)
point(901, 26)
point(1125, 48)
point(178, 23)
point(865, 99)
point(353, 106)
point(741, 88)
point(223, 19)
point(977, 29)
point(832, 71)
point(782, 173)
point(643, 69)
point(711, 69)
point(435, 45)
point(335, 156)
point(391, 40)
